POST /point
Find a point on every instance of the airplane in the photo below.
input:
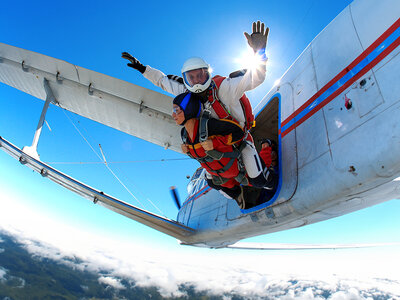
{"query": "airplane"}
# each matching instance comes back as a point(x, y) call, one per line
point(335, 115)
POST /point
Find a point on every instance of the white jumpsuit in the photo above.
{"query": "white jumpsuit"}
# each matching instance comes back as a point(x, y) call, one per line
point(229, 93)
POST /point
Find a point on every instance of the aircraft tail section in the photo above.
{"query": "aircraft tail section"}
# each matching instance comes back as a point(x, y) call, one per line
point(167, 226)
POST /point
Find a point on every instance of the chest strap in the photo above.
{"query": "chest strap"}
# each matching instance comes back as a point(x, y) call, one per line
point(213, 155)
point(220, 109)
point(203, 126)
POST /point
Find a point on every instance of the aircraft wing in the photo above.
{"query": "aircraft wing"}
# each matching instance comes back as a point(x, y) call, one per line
point(116, 103)
point(167, 226)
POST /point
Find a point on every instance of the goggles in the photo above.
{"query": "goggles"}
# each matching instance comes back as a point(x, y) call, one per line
point(176, 110)
point(197, 76)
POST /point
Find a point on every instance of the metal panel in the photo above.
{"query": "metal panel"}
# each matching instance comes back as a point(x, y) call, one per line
point(388, 80)
point(316, 185)
point(302, 62)
point(335, 48)
point(19, 69)
point(381, 14)
point(312, 139)
point(365, 94)
point(370, 152)
point(205, 210)
point(364, 14)
point(365, 97)
point(304, 85)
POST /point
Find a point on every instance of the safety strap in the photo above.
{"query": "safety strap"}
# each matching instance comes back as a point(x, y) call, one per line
point(233, 154)
point(220, 109)
point(203, 126)
point(241, 177)
point(184, 135)
point(212, 155)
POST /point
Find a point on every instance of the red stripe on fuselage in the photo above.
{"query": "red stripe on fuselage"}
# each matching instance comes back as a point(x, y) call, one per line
point(368, 67)
point(201, 192)
point(363, 55)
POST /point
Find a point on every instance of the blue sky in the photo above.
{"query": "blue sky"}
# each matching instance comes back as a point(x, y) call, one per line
point(93, 35)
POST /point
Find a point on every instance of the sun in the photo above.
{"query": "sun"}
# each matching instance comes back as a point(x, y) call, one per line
point(248, 60)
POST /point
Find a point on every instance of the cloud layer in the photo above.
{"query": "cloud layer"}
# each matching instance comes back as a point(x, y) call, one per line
point(212, 273)
point(276, 275)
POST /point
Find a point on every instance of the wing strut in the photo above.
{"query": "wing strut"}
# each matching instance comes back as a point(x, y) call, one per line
point(271, 246)
point(32, 150)
point(173, 228)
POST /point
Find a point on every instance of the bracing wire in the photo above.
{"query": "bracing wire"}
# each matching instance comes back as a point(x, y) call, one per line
point(103, 161)
point(119, 180)
point(115, 162)
point(80, 133)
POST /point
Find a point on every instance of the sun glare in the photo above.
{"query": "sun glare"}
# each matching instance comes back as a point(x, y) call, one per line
point(277, 82)
point(248, 60)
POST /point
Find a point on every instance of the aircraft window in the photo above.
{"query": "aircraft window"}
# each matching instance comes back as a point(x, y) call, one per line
point(192, 186)
point(196, 189)
point(197, 182)
point(200, 184)
point(203, 183)
point(196, 174)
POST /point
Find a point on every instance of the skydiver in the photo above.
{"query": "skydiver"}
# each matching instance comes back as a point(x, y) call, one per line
point(197, 79)
point(269, 156)
point(213, 143)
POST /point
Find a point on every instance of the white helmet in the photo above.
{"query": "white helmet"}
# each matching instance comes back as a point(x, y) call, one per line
point(196, 74)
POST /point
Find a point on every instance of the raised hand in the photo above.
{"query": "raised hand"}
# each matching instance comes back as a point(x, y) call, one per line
point(134, 63)
point(258, 39)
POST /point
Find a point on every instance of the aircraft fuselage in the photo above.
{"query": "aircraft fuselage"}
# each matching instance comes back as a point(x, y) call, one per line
point(336, 117)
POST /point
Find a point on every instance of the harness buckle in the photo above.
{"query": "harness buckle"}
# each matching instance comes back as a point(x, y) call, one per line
point(205, 116)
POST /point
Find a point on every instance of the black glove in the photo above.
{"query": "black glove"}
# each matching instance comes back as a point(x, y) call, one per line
point(134, 63)
point(258, 39)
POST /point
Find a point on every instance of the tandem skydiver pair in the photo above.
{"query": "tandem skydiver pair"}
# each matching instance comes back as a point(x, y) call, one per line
point(217, 117)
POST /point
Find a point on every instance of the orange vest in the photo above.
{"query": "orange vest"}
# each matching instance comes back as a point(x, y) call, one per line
point(226, 167)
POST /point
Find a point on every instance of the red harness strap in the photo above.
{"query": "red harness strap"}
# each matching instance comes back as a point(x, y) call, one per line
point(220, 109)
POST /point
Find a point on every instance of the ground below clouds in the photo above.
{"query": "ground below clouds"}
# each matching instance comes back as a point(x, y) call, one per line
point(28, 275)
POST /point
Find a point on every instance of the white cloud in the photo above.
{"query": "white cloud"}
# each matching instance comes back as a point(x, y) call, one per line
point(279, 275)
point(3, 273)
point(114, 282)
point(16, 282)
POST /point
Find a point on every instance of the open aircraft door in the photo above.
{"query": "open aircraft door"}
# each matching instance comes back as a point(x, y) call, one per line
point(268, 120)
point(274, 108)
